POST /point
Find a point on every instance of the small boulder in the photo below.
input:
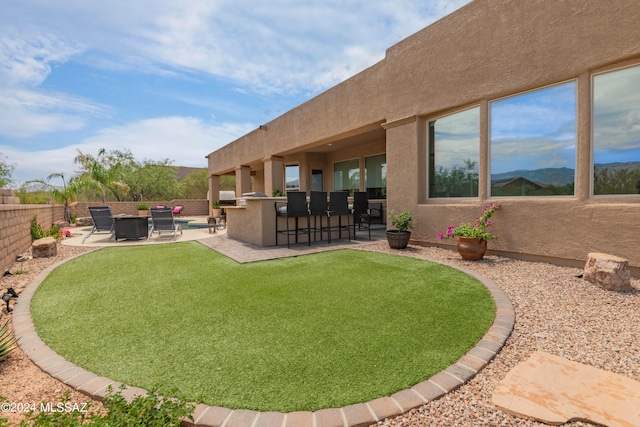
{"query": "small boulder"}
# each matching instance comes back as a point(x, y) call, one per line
point(84, 221)
point(608, 271)
point(45, 247)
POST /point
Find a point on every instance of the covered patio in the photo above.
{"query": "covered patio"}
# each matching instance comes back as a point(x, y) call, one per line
point(354, 161)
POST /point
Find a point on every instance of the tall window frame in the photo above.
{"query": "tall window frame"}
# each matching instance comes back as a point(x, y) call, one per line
point(451, 174)
point(533, 142)
point(615, 133)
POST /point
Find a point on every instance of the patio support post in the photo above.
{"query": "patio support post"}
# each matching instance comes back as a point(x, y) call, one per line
point(243, 180)
point(273, 174)
point(214, 188)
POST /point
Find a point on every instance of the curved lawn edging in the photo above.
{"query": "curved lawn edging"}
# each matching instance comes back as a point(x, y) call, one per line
point(361, 414)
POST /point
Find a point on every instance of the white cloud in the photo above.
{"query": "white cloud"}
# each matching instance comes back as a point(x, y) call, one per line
point(184, 140)
point(26, 113)
point(25, 63)
point(617, 110)
point(26, 57)
point(271, 46)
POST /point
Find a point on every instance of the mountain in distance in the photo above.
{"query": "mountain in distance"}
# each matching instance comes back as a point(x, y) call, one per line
point(553, 176)
point(617, 166)
point(560, 176)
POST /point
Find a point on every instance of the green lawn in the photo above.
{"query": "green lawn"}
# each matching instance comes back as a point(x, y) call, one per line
point(304, 333)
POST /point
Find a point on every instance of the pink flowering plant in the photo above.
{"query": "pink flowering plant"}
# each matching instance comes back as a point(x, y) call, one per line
point(476, 230)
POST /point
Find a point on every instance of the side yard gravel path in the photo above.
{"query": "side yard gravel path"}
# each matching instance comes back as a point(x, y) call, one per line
point(556, 312)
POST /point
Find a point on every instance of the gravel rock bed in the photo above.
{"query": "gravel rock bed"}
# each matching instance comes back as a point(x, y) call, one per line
point(22, 381)
point(556, 312)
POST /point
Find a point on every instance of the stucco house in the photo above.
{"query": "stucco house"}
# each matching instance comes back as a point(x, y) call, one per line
point(545, 90)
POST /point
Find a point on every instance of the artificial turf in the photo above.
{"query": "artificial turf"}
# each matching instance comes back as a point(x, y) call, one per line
point(304, 333)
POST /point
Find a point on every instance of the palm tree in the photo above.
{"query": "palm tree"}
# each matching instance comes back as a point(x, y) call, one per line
point(104, 172)
point(65, 195)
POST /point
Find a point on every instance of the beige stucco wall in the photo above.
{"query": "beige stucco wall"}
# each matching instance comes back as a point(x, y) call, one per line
point(246, 223)
point(486, 50)
point(493, 48)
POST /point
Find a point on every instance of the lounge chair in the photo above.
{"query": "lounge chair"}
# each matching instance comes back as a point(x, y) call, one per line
point(102, 220)
point(178, 210)
point(163, 221)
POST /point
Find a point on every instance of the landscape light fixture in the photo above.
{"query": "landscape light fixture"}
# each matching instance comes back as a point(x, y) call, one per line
point(8, 296)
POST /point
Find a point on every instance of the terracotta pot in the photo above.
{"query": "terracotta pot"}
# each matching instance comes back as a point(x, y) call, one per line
point(471, 249)
point(143, 212)
point(216, 212)
point(398, 239)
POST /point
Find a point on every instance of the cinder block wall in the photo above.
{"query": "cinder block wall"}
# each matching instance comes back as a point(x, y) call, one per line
point(15, 228)
point(192, 207)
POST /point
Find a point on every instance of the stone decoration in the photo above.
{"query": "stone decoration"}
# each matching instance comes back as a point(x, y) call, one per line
point(45, 247)
point(84, 221)
point(608, 271)
point(555, 390)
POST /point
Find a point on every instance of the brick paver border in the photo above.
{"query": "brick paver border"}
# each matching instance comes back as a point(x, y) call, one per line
point(361, 414)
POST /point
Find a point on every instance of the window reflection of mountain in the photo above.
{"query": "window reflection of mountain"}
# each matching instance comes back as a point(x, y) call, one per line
point(521, 186)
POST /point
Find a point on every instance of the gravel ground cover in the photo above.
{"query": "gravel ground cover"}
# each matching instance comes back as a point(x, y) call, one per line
point(21, 381)
point(556, 312)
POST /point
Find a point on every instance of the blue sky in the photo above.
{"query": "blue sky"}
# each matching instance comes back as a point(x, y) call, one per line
point(534, 130)
point(176, 79)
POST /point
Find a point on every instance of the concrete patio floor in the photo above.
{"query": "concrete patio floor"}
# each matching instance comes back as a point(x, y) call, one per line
point(239, 251)
point(102, 239)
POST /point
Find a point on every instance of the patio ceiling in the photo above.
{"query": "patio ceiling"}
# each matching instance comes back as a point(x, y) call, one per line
point(361, 136)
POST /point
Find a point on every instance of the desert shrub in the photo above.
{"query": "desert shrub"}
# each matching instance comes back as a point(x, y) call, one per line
point(7, 341)
point(148, 411)
point(37, 232)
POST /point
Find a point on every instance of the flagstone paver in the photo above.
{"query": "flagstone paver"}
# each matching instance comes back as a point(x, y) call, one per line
point(555, 390)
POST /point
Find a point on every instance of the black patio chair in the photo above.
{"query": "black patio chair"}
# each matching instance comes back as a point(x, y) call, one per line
point(296, 207)
point(102, 221)
point(163, 221)
point(375, 211)
point(339, 207)
point(318, 208)
point(361, 213)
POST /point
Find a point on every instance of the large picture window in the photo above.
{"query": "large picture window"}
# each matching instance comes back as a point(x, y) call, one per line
point(616, 132)
point(346, 176)
point(375, 176)
point(454, 155)
point(533, 143)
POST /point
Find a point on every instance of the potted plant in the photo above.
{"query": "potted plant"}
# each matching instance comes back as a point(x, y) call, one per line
point(216, 209)
point(472, 238)
point(143, 209)
point(399, 238)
